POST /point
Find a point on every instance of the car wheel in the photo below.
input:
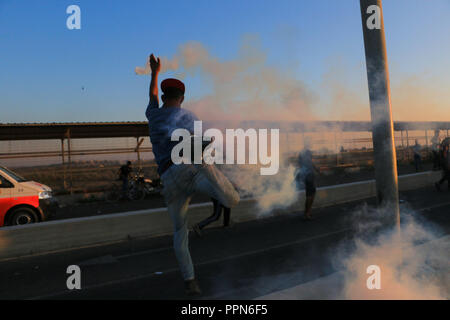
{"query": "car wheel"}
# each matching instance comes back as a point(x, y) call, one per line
point(21, 216)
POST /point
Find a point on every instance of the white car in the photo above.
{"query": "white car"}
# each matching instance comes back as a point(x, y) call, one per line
point(23, 201)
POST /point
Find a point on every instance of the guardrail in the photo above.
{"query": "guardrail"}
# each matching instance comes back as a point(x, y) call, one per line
point(54, 236)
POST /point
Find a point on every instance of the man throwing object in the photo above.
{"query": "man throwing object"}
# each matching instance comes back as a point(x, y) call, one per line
point(181, 181)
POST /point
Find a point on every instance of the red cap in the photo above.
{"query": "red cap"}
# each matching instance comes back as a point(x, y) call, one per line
point(172, 83)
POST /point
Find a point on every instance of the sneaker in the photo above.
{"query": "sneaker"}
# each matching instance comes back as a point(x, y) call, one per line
point(197, 230)
point(192, 288)
point(230, 224)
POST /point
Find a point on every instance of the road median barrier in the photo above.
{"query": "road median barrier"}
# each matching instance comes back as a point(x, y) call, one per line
point(61, 235)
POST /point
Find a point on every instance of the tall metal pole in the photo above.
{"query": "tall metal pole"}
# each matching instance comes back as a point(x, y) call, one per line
point(380, 108)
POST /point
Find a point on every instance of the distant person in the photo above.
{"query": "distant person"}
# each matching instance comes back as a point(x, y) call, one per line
point(305, 176)
point(435, 145)
point(124, 175)
point(445, 163)
point(417, 157)
point(181, 181)
point(217, 212)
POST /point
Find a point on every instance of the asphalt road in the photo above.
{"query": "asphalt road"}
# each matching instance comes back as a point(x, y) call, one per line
point(247, 261)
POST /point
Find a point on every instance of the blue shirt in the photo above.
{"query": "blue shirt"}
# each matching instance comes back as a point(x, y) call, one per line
point(161, 123)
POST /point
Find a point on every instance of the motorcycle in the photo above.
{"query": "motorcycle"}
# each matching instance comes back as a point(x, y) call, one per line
point(141, 187)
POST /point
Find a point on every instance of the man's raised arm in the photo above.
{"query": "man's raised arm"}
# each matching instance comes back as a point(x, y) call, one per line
point(155, 65)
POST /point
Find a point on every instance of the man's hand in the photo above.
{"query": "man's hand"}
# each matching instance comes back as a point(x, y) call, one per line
point(155, 64)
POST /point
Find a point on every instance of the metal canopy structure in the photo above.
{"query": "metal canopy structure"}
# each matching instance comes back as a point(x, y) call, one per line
point(43, 131)
point(80, 130)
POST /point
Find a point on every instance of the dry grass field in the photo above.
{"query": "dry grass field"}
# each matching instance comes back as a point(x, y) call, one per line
point(99, 176)
point(84, 177)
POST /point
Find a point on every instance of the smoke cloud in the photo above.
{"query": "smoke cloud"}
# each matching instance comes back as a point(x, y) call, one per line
point(271, 192)
point(413, 265)
point(247, 87)
point(243, 88)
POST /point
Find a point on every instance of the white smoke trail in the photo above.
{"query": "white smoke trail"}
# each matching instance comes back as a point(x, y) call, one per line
point(271, 192)
point(245, 87)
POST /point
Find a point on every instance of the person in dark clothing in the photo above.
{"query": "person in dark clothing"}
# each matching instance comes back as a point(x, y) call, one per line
point(124, 175)
point(446, 168)
point(417, 157)
point(435, 146)
point(306, 175)
point(217, 212)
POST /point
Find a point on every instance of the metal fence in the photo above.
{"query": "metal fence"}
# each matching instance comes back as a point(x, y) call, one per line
point(90, 163)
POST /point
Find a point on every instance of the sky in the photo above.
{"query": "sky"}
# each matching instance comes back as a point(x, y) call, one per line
point(286, 59)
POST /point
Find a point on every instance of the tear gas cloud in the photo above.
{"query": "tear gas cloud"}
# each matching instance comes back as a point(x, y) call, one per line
point(242, 88)
point(414, 264)
point(247, 87)
point(271, 192)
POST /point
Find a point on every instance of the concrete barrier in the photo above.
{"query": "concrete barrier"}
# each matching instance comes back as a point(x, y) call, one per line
point(69, 234)
point(366, 189)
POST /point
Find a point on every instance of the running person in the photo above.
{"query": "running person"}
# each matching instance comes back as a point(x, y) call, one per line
point(217, 212)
